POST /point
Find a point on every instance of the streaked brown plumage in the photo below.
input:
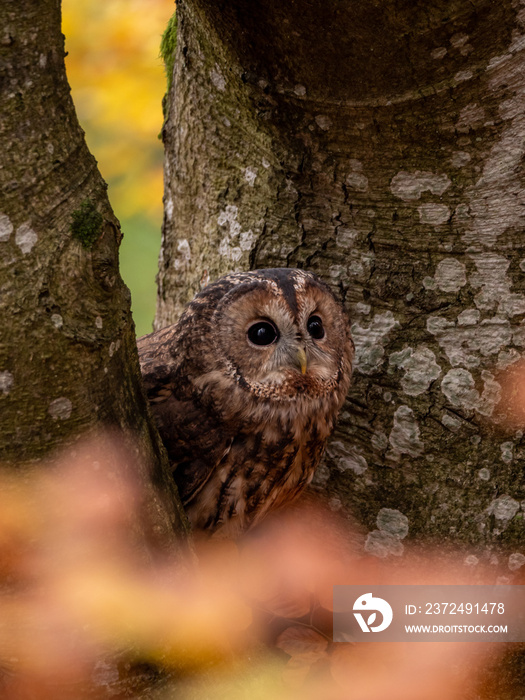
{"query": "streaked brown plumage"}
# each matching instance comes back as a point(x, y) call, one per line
point(245, 420)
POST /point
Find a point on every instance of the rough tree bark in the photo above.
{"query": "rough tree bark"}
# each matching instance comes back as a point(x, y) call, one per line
point(68, 359)
point(380, 145)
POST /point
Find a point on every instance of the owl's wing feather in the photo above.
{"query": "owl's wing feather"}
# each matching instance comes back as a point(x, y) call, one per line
point(195, 440)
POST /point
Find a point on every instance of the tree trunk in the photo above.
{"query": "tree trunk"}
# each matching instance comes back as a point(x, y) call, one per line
point(380, 145)
point(68, 359)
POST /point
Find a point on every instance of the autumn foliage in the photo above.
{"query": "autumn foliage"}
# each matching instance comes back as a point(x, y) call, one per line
point(86, 599)
point(118, 81)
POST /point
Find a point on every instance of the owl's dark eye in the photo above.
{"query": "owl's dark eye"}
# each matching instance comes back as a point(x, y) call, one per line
point(315, 327)
point(262, 333)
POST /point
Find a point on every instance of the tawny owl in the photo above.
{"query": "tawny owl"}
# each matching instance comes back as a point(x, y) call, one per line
point(245, 389)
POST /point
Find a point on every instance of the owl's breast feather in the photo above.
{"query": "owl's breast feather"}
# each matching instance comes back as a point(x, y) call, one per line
point(275, 450)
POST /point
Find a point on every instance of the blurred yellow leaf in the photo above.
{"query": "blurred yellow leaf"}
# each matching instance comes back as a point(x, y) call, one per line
point(117, 81)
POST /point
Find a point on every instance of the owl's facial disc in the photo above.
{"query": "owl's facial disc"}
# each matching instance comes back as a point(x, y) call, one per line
point(282, 349)
point(269, 342)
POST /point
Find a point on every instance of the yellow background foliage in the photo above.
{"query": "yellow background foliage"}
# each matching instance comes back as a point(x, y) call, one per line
point(117, 79)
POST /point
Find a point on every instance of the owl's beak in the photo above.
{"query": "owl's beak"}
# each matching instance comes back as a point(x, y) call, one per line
point(301, 360)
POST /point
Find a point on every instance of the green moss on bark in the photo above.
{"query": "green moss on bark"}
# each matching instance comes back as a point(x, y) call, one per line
point(168, 45)
point(87, 223)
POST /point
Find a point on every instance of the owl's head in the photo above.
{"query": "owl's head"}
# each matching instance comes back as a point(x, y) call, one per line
point(280, 332)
